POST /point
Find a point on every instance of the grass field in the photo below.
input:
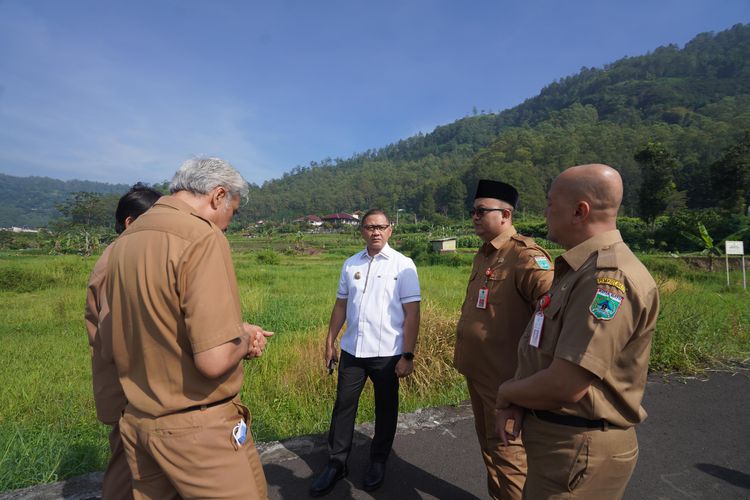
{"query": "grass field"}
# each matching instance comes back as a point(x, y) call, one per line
point(48, 429)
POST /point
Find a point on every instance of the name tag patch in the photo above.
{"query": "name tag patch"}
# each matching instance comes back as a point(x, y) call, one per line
point(605, 304)
point(611, 282)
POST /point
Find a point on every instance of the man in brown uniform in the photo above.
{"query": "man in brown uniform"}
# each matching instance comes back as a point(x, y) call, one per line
point(583, 359)
point(509, 275)
point(178, 340)
point(108, 396)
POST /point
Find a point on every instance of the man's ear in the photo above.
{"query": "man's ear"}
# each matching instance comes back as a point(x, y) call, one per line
point(506, 213)
point(218, 197)
point(128, 221)
point(582, 211)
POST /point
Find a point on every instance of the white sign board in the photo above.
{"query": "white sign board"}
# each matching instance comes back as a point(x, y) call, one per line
point(734, 248)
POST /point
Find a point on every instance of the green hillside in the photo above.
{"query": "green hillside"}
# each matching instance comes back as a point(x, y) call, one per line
point(31, 201)
point(694, 100)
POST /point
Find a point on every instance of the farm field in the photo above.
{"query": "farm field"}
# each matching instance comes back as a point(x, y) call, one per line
point(48, 429)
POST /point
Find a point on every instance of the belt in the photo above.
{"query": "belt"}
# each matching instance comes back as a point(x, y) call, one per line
point(572, 420)
point(209, 405)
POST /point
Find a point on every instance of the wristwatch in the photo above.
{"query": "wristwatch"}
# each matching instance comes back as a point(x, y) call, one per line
point(408, 356)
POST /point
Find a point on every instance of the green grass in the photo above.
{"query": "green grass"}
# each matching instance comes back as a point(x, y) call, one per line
point(48, 429)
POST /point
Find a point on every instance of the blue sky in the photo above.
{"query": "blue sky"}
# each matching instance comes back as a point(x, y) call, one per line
point(122, 91)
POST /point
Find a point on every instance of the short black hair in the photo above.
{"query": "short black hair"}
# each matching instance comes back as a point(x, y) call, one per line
point(134, 203)
point(374, 211)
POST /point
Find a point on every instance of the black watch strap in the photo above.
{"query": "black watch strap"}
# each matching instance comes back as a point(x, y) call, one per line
point(408, 356)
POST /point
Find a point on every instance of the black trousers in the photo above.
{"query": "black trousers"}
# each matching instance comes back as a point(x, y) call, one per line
point(353, 373)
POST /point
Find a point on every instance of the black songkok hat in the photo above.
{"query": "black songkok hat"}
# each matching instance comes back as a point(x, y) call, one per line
point(498, 190)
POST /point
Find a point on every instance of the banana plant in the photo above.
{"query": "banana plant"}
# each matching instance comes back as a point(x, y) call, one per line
point(706, 242)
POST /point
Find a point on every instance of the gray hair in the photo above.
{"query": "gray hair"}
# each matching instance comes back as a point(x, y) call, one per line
point(203, 175)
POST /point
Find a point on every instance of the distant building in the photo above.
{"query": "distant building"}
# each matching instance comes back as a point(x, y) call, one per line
point(311, 220)
point(444, 245)
point(16, 229)
point(341, 218)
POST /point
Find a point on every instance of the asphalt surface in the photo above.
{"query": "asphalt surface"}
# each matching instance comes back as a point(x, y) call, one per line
point(695, 444)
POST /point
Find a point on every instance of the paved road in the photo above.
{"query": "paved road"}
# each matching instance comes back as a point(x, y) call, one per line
point(695, 444)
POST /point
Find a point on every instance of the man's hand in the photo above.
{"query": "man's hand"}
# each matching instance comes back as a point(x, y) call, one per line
point(514, 413)
point(404, 367)
point(331, 354)
point(505, 411)
point(256, 340)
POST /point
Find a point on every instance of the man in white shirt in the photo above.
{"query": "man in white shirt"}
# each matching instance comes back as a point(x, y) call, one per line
point(378, 298)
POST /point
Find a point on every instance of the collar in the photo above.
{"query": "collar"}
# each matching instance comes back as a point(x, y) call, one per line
point(386, 252)
point(174, 202)
point(177, 204)
point(502, 238)
point(579, 254)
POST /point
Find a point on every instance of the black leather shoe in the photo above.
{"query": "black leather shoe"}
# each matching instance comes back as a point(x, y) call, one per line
point(325, 482)
point(374, 476)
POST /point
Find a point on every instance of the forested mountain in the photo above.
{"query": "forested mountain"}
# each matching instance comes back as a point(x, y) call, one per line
point(31, 201)
point(695, 101)
point(691, 104)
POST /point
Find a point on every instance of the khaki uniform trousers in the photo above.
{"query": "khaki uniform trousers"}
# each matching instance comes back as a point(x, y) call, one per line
point(506, 465)
point(192, 455)
point(568, 462)
point(118, 481)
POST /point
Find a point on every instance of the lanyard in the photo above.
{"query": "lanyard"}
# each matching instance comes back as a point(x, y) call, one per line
point(538, 323)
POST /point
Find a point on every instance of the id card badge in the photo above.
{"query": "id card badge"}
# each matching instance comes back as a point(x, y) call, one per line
point(239, 433)
point(536, 329)
point(538, 324)
point(482, 299)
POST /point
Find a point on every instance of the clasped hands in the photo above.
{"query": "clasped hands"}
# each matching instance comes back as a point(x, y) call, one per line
point(505, 411)
point(256, 340)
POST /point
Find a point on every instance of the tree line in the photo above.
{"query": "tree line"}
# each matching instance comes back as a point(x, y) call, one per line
point(674, 122)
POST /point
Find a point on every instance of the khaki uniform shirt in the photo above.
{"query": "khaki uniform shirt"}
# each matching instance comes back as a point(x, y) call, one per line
point(172, 293)
point(601, 317)
point(487, 339)
point(109, 398)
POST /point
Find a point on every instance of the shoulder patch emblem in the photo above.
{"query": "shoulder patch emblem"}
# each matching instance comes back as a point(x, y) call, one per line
point(542, 262)
point(611, 282)
point(605, 304)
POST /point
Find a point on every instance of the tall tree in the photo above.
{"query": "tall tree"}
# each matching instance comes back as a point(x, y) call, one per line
point(426, 207)
point(452, 197)
point(89, 209)
point(658, 168)
point(730, 177)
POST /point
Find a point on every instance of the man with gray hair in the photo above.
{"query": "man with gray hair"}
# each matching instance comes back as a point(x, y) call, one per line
point(178, 340)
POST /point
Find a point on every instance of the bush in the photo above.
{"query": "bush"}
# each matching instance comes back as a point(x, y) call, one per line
point(635, 233)
point(21, 241)
point(24, 280)
point(468, 241)
point(268, 257)
point(414, 245)
point(719, 224)
point(445, 259)
point(533, 228)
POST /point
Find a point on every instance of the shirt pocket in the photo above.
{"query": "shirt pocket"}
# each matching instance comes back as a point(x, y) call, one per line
point(385, 284)
point(498, 285)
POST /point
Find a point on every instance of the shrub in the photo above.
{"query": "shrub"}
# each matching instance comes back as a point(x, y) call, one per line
point(533, 228)
point(24, 280)
point(268, 257)
point(468, 241)
point(635, 233)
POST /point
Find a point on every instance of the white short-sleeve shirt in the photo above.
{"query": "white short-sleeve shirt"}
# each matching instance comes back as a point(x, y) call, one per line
point(376, 289)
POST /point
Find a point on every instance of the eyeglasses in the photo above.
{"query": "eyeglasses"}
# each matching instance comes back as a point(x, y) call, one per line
point(479, 212)
point(372, 229)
